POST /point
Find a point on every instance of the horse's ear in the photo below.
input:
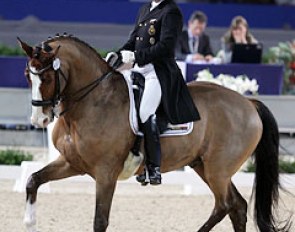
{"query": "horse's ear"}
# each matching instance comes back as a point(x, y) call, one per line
point(27, 49)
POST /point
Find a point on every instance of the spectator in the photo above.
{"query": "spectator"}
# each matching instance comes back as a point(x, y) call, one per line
point(193, 44)
point(237, 33)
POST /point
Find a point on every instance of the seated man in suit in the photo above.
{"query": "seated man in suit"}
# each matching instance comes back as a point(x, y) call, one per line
point(194, 45)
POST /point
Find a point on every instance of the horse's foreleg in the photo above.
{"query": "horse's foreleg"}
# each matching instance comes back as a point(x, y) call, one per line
point(58, 169)
point(104, 195)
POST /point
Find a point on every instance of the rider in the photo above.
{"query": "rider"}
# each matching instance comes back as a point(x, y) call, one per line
point(150, 49)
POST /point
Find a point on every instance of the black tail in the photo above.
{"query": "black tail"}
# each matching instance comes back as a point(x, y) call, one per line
point(266, 186)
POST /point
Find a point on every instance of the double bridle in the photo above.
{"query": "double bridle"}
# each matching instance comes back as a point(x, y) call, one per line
point(58, 97)
point(57, 93)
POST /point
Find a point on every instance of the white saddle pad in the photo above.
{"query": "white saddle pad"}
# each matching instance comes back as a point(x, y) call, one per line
point(173, 130)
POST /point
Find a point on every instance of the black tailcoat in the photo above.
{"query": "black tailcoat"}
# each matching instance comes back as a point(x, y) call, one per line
point(153, 40)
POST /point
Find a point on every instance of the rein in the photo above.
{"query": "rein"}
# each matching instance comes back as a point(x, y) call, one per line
point(57, 97)
point(91, 86)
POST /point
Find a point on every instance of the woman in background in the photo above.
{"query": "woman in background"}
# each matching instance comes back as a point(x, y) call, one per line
point(237, 33)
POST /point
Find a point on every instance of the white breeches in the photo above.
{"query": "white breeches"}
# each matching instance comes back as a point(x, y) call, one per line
point(152, 91)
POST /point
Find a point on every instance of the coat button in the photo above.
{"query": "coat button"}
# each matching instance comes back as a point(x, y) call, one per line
point(140, 25)
point(137, 38)
point(141, 38)
point(152, 41)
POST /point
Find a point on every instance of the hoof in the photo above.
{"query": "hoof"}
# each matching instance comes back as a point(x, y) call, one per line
point(30, 224)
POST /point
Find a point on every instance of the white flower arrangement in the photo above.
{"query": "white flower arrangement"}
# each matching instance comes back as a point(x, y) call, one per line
point(242, 84)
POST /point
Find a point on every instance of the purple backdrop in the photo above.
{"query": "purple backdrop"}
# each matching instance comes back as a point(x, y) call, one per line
point(269, 77)
point(12, 72)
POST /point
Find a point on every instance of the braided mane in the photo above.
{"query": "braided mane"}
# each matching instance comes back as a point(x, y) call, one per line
point(69, 37)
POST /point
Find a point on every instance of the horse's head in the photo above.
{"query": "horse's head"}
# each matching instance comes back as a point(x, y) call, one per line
point(43, 72)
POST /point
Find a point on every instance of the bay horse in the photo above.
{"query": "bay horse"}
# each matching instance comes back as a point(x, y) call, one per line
point(94, 137)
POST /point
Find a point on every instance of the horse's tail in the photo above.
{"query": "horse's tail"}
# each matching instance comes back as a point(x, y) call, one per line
point(266, 185)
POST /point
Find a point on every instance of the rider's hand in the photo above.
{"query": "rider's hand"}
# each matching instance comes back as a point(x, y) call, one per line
point(110, 55)
point(128, 57)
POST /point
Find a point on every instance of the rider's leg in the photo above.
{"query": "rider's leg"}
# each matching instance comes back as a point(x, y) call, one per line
point(153, 150)
point(149, 104)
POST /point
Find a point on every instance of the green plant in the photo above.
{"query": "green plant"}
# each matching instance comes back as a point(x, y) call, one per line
point(283, 54)
point(14, 157)
point(103, 53)
point(17, 51)
point(10, 51)
point(284, 167)
point(287, 167)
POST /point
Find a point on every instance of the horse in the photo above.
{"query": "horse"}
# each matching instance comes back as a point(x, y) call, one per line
point(71, 80)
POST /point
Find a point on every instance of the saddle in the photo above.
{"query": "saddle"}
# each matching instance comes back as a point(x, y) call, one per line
point(136, 83)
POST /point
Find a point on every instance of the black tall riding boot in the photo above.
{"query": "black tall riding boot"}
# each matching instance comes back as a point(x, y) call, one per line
point(152, 147)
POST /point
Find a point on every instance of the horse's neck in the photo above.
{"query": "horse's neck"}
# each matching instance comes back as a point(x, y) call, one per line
point(104, 103)
point(84, 70)
point(105, 100)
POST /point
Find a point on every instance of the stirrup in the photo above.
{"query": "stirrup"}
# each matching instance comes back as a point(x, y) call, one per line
point(144, 178)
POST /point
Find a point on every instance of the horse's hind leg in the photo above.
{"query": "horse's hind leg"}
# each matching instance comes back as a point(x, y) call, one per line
point(227, 201)
point(238, 212)
point(58, 169)
point(227, 198)
point(219, 186)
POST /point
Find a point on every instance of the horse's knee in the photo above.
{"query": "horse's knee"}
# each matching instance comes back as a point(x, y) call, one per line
point(33, 183)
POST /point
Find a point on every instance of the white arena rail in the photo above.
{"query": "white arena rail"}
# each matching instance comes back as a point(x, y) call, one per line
point(16, 109)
